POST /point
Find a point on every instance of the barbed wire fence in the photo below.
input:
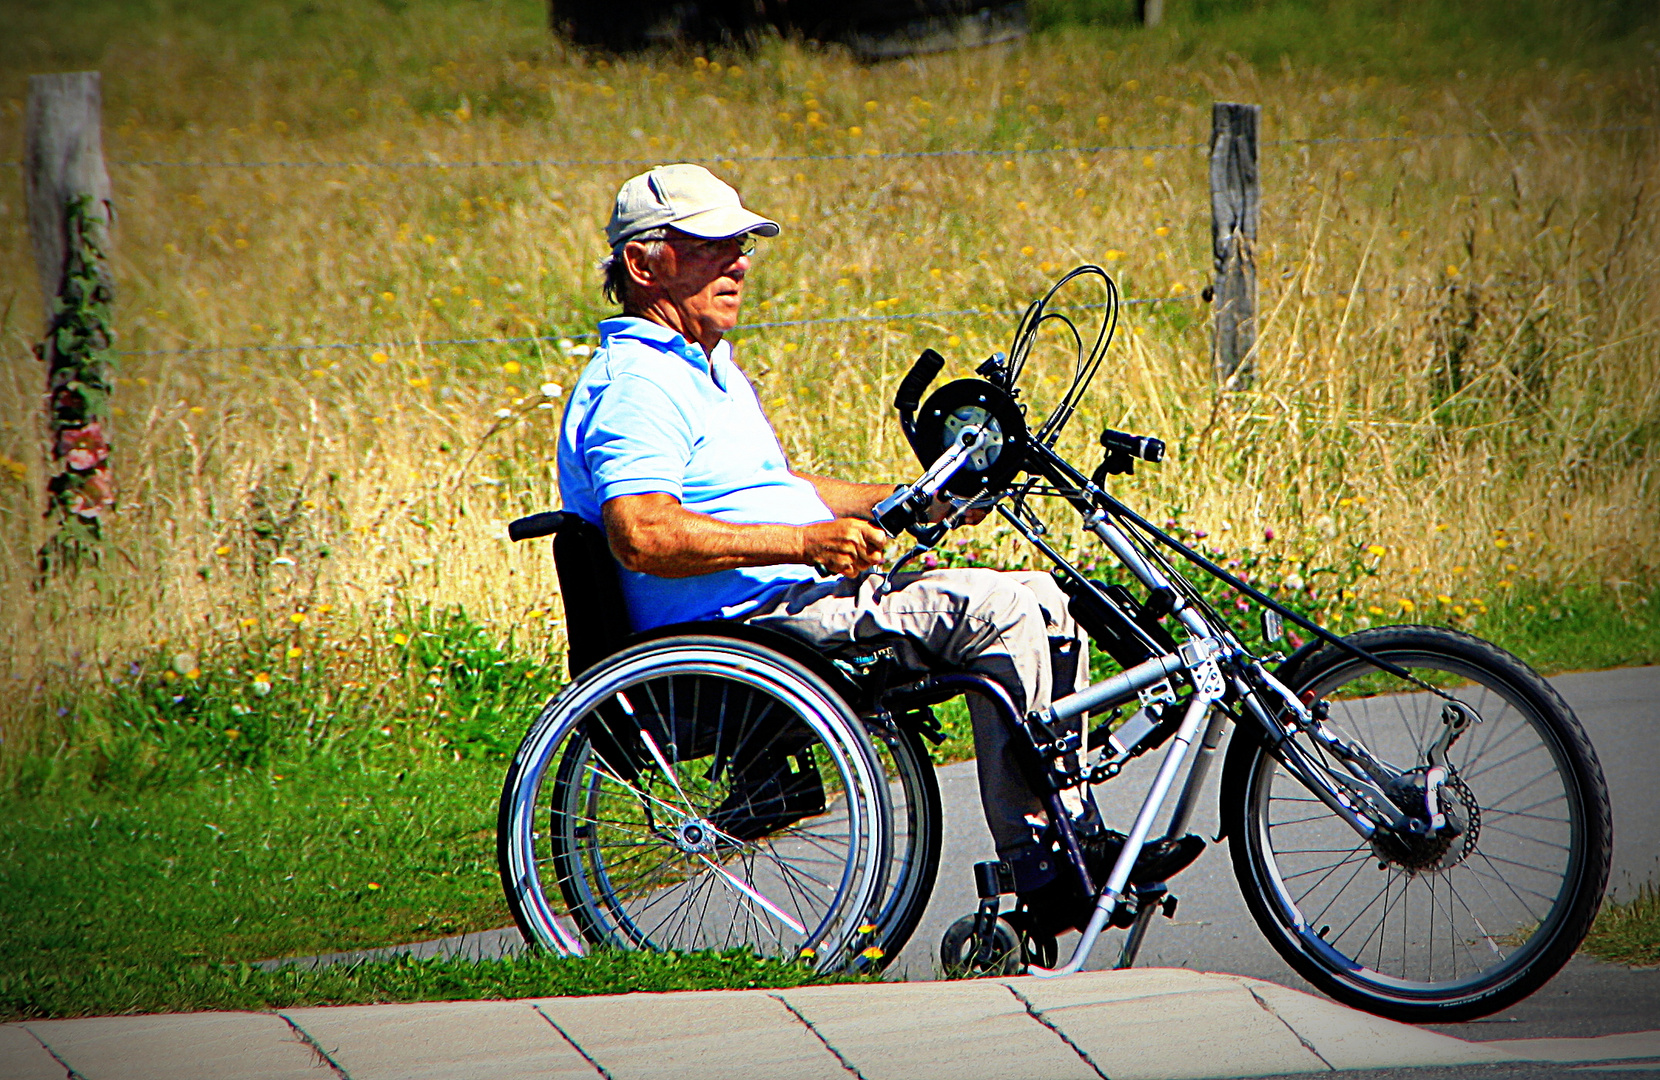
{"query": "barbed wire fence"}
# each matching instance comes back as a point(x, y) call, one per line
point(872, 156)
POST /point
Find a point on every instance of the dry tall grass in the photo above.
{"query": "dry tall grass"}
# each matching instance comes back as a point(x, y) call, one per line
point(1483, 408)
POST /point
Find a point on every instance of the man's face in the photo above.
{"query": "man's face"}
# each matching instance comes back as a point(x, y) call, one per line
point(705, 280)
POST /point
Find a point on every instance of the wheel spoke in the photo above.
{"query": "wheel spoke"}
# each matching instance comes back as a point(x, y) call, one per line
point(746, 890)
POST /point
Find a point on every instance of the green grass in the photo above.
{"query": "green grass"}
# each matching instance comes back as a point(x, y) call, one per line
point(1406, 38)
point(1628, 932)
point(137, 889)
point(160, 900)
point(250, 866)
point(55, 990)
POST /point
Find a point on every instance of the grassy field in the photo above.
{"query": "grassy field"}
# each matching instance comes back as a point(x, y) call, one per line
point(310, 644)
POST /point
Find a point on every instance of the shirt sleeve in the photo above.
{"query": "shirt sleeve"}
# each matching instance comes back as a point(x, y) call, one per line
point(636, 441)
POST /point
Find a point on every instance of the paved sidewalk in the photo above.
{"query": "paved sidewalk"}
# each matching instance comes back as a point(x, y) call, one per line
point(1157, 1024)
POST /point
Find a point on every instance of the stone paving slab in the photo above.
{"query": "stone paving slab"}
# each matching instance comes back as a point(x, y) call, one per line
point(23, 1058)
point(189, 1046)
point(1355, 1040)
point(1637, 1045)
point(1218, 1032)
point(937, 1031)
point(681, 1036)
point(443, 1040)
point(1170, 1024)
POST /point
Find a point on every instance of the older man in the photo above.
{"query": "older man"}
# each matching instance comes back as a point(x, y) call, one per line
point(665, 446)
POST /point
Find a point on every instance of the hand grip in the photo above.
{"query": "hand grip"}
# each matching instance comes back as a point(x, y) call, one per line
point(928, 365)
point(544, 524)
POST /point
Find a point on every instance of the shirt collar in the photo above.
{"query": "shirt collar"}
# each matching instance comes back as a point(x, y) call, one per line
point(652, 333)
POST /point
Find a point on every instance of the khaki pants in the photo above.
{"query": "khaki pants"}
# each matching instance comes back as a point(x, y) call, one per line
point(1010, 626)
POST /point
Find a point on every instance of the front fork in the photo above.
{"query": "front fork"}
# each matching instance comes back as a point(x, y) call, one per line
point(1356, 795)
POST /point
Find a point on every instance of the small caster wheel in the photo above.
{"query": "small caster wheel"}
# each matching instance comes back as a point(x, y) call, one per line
point(1036, 946)
point(963, 957)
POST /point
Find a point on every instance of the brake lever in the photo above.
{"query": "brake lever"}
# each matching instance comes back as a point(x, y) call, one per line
point(928, 538)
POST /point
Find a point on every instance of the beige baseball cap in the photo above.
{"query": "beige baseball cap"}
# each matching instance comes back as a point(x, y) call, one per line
point(689, 197)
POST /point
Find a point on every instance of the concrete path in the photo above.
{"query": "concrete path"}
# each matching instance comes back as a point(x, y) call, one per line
point(1157, 1024)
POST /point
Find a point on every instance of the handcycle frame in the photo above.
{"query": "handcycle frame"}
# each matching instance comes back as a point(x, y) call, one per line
point(1213, 662)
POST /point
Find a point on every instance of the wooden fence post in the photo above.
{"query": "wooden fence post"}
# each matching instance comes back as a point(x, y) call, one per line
point(1234, 199)
point(1149, 12)
point(68, 195)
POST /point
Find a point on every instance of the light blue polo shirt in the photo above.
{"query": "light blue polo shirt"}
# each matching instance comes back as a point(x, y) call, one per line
point(652, 413)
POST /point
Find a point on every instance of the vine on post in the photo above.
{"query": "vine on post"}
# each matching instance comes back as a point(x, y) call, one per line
point(79, 359)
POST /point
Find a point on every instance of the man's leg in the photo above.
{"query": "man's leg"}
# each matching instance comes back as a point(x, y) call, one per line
point(1001, 786)
point(1013, 628)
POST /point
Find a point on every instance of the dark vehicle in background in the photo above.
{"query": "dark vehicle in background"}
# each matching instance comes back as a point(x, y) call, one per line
point(873, 29)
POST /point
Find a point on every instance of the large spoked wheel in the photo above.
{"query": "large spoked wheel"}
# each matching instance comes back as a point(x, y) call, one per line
point(697, 793)
point(1439, 927)
point(913, 863)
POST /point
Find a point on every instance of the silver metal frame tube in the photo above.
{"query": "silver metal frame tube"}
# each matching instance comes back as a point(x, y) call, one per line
point(1113, 691)
point(1149, 574)
point(1120, 875)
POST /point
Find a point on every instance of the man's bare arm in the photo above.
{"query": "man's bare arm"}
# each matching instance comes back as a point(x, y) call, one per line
point(846, 498)
point(654, 534)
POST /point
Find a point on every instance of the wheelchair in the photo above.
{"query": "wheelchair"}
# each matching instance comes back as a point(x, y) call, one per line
point(716, 785)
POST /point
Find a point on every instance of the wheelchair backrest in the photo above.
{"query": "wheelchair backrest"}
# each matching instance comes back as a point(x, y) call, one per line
point(596, 617)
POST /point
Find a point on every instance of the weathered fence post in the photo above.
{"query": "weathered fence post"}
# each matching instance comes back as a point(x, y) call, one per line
point(1234, 199)
point(1149, 12)
point(68, 195)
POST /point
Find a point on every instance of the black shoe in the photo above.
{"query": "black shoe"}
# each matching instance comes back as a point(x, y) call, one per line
point(771, 794)
point(1057, 904)
point(1160, 861)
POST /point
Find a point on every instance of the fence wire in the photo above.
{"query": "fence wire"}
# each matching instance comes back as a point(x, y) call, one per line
point(964, 313)
point(864, 155)
point(982, 313)
point(762, 158)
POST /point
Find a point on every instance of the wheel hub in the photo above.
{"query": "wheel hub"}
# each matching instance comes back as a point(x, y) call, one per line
point(1442, 849)
point(694, 836)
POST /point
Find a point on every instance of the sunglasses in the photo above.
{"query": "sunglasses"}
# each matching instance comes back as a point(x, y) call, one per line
point(732, 246)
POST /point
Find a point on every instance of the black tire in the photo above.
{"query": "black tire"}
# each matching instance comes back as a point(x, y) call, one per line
point(958, 949)
point(913, 866)
point(696, 792)
point(1485, 917)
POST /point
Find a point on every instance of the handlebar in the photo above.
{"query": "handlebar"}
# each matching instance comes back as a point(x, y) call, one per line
point(923, 372)
point(908, 505)
point(909, 396)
